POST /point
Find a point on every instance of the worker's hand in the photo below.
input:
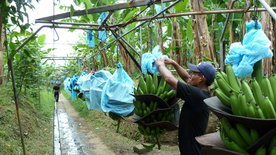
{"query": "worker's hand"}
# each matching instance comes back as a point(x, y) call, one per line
point(169, 61)
point(159, 62)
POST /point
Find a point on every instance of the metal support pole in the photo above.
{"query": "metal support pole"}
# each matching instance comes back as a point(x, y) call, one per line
point(139, 25)
point(15, 95)
point(124, 40)
point(50, 26)
point(268, 8)
point(105, 8)
point(222, 37)
point(131, 56)
point(105, 19)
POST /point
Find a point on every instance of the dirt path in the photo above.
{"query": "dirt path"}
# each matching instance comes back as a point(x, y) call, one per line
point(75, 136)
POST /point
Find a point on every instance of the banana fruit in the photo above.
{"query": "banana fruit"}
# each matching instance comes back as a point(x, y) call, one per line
point(144, 109)
point(247, 97)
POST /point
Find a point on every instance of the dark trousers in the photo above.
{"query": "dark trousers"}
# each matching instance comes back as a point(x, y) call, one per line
point(56, 96)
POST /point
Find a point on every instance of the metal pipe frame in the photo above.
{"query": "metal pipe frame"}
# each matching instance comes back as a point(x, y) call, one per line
point(180, 14)
point(133, 59)
point(107, 46)
point(50, 26)
point(105, 19)
point(105, 8)
point(222, 11)
point(222, 36)
point(268, 8)
point(61, 57)
point(15, 95)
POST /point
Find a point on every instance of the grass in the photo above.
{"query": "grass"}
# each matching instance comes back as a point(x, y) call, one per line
point(37, 123)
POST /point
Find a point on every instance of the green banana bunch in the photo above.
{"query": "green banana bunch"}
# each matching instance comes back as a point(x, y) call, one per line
point(150, 86)
point(245, 97)
point(261, 151)
point(142, 109)
point(238, 137)
point(151, 133)
point(231, 144)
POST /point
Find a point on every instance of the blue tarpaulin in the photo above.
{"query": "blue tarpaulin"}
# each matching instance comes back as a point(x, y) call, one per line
point(116, 96)
point(98, 81)
point(73, 82)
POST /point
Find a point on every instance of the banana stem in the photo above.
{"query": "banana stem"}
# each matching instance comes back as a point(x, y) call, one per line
point(118, 125)
point(158, 142)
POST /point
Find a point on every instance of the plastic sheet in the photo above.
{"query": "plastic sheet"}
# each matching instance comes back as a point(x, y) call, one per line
point(255, 46)
point(148, 64)
point(90, 38)
point(102, 34)
point(66, 84)
point(98, 81)
point(116, 96)
point(73, 82)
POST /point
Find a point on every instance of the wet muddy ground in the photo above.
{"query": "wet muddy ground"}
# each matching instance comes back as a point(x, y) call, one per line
point(70, 135)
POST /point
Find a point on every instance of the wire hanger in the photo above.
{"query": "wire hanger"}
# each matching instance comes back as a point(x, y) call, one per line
point(255, 17)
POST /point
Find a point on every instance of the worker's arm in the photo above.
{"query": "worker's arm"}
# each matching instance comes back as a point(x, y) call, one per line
point(181, 71)
point(166, 74)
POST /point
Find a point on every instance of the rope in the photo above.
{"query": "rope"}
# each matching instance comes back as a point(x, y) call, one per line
point(255, 17)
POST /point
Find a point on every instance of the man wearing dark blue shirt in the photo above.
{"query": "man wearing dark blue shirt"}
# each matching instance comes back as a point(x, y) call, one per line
point(56, 92)
point(195, 113)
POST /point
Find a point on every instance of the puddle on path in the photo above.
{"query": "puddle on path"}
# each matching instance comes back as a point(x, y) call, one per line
point(72, 141)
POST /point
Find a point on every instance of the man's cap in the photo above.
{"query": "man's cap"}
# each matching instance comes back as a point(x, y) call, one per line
point(206, 69)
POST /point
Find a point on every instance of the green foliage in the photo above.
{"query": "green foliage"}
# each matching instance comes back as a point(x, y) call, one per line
point(16, 10)
point(27, 62)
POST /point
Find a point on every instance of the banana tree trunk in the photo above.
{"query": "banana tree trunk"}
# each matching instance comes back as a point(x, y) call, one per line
point(176, 43)
point(247, 15)
point(196, 40)
point(160, 36)
point(2, 51)
point(231, 31)
point(125, 57)
point(266, 22)
point(213, 37)
point(274, 43)
point(149, 43)
point(200, 28)
point(95, 66)
point(104, 56)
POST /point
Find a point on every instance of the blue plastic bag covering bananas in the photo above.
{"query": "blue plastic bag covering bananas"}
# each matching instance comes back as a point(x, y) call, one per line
point(148, 64)
point(116, 96)
point(97, 82)
point(255, 46)
point(85, 83)
point(73, 83)
point(66, 84)
point(102, 34)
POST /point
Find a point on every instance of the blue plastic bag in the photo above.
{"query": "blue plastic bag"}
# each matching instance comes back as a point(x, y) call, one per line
point(158, 9)
point(73, 83)
point(66, 84)
point(90, 38)
point(116, 96)
point(98, 81)
point(102, 34)
point(255, 47)
point(148, 64)
point(85, 89)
